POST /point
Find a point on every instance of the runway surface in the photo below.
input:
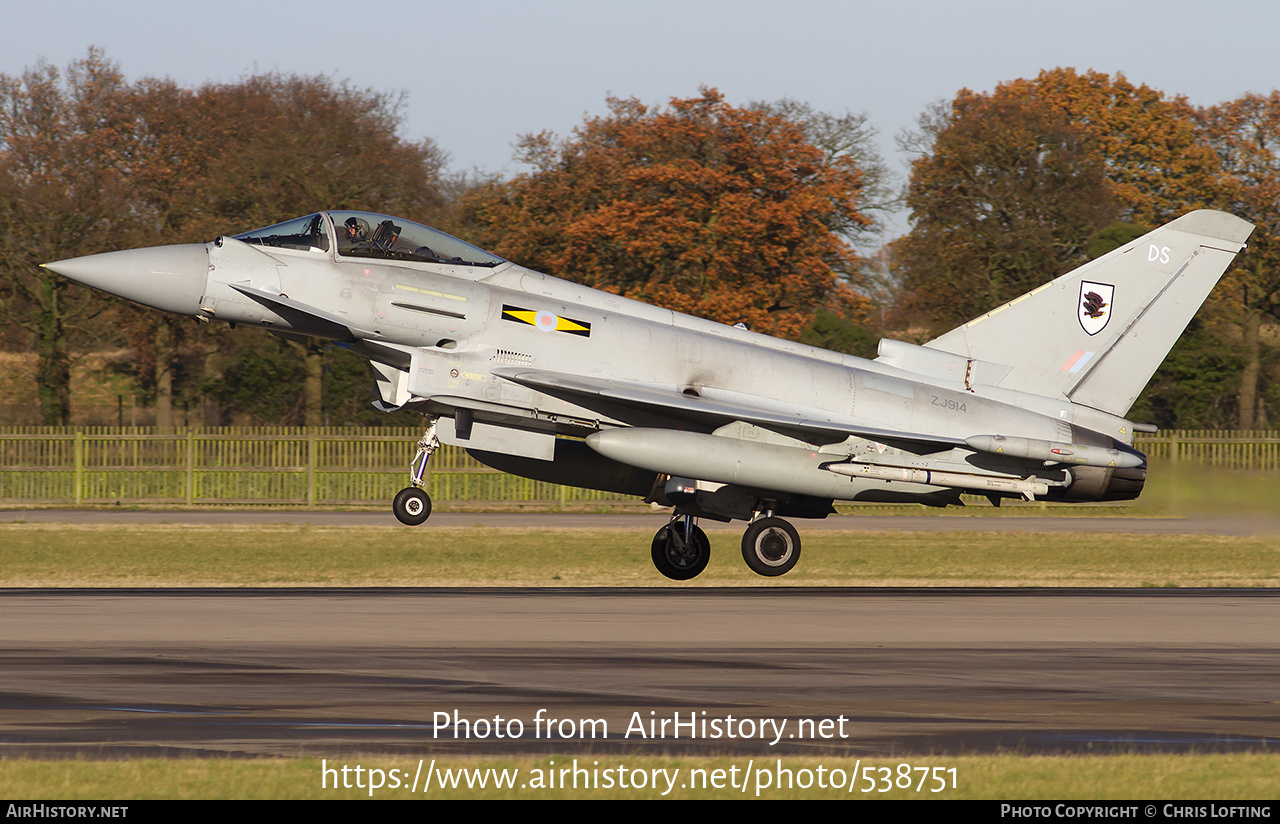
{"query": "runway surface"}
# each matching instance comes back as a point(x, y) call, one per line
point(340, 672)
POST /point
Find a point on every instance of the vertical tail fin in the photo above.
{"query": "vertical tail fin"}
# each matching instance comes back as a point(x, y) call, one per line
point(1097, 334)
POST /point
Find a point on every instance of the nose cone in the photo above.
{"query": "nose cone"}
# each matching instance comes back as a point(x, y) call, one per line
point(171, 278)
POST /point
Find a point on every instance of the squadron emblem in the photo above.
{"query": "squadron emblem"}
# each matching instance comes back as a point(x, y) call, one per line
point(1095, 306)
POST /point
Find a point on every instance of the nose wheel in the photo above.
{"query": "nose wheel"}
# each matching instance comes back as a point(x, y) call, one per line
point(771, 546)
point(681, 549)
point(412, 506)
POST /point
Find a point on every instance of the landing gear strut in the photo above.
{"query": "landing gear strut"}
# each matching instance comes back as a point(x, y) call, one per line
point(770, 546)
point(681, 549)
point(412, 505)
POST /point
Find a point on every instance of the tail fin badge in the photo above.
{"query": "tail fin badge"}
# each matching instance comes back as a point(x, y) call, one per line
point(1095, 306)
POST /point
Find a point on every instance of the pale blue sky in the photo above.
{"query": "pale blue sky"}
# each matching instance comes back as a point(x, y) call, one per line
point(480, 73)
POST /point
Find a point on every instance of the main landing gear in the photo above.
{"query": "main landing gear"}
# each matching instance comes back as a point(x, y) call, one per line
point(412, 505)
point(770, 546)
point(681, 549)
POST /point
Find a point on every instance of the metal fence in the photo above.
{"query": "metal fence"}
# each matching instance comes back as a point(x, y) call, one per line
point(315, 467)
point(1248, 449)
point(323, 467)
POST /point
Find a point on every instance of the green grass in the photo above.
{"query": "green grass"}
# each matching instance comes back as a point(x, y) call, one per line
point(1026, 778)
point(44, 555)
point(1176, 489)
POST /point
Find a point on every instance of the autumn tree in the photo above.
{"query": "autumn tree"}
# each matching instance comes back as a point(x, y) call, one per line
point(1245, 135)
point(62, 194)
point(849, 138)
point(91, 163)
point(1007, 200)
point(230, 157)
point(724, 212)
point(1011, 185)
point(1157, 167)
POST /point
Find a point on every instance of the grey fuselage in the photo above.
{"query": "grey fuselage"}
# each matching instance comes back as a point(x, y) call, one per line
point(454, 334)
point(560, 382)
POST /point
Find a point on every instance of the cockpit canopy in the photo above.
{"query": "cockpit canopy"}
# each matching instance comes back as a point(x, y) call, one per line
point(369, 235)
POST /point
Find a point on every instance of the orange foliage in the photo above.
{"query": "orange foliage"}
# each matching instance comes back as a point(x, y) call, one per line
point(702, 207)
point(91, 163)
point(1156, 166)
point(1245, 134)
point(1006, 201)
point(228, 158)
point(1014, 182)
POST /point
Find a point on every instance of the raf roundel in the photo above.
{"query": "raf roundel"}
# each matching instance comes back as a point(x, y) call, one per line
point(545, 321)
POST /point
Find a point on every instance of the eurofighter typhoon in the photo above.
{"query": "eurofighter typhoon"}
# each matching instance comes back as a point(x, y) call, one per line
point(558, 382)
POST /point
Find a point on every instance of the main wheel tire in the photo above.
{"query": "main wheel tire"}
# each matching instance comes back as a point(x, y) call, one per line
point(677, 558)
point(412, 506)
point(771, 546)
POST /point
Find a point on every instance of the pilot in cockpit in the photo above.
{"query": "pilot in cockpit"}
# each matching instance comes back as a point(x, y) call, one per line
point(355, 233)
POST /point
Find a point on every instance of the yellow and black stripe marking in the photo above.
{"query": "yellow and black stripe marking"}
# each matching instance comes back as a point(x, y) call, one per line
point(546, 321)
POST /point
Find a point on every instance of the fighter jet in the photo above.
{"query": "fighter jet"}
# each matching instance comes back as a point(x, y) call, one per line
point(558, 382)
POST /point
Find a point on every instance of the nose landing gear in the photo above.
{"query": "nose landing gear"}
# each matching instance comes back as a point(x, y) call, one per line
point(412, 505)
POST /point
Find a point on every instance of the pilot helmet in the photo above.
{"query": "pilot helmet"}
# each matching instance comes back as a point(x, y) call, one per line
point(357, 229)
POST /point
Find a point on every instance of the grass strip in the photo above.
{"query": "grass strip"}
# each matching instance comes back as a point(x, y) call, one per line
point(1217, 777)
point(160, 555)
